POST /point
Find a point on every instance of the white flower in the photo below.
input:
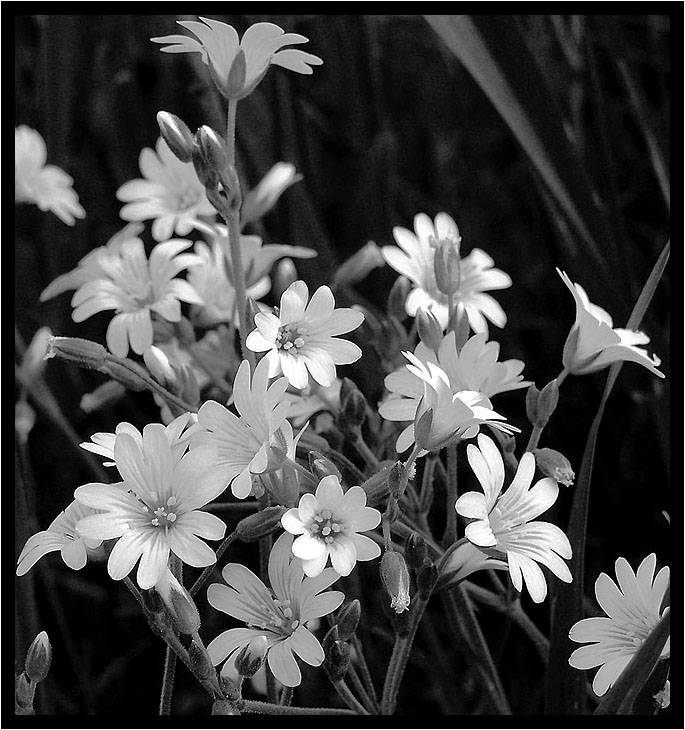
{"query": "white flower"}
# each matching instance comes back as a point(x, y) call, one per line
point(301, 341)
point(169, 192)
point(593, 343)
point(467, 559)
point(503, 521)
point(633, 609)
point(48, 186)
point(155, 510)
point(212, 277)
point(62, 536)
point(474, 368)
point(454, 414)
point(281, 615)
point(248, 444)
point(416, 260)
point(260, 45)
point(328, 523)
point(134, 287)
point(261, 199)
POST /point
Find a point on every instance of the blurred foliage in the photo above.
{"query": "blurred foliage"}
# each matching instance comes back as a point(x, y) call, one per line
point(391, 125)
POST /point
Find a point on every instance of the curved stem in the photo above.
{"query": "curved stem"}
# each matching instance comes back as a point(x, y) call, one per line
point(170, 660)
point(208, 570)
point(266, 708)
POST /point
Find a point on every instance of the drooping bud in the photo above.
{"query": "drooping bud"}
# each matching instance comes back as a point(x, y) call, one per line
point(38, 658)
point(532, 395)
point(322, 467)
point(107, 393)
point(426, 578)
point(415, 551)
point(85, 353)
point(236, 76)
point(395, 577)
point(554, 464)
point(179, 604)
point(397, 297)
point(397, 480)
point(176, 134)
point(251, 656)
point(547, 402)
point(261, 199)
point(429, 329)
point(358, 266)
point(348, 619)
point(262, 523)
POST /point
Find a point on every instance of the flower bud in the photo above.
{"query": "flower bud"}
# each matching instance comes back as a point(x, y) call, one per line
point(331, 636)
point(376, 486)
point(447, 268)
point(322, 467)
point(158, 364)
point(260, 524)
point(251, 656)
point(358, 266)
point(33, 361)
point(397, 480)
point(532, 395)
point(24, 419)
point(85, 353)
point(422, 429)
point(459, 324)
point(348, 619)
point(415, 551)
point(554, 464)
point(38, 658)
point(213, 148)
point(176, 134)
point(24, 691)
point(284, 276)
point(179, 604)
point(261, 199)
point(426, 578)
point(105, 394)
point(125, 371)
point(429, 329)
point(395, 577)
point(235, 82)
point(397, 297)
point(353, 407)
point(200, 662)
point(547, 402)
point(205, 171)
point(337, 661)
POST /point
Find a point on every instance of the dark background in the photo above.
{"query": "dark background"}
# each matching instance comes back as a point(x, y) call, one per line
point(391, 125)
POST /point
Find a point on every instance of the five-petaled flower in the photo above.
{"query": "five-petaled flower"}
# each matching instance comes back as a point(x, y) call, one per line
point(156, 509)
point(593, 343)
point(328, 523)
point(280, 614)
point(300, 340)
point(503, 521)
point(62, 536)
point(633, 609)
point(48, 186)
point(170, 192)
point(252, 442)
point(249, 58)
point(133, 286)
point(415, 258)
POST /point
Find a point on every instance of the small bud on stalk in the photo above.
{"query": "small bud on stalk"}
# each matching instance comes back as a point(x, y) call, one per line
point(532, 395)
point(337, 661)
point(426, 578)
point(179, 604)
point(38, 658)
point(397, 480)
point(199, 660)
point(251, 657)
point(546, 404)
point(554, 464)
point(322, 467)
point(260, 524)
point(85, 353)
point(429, 328)
point(176, 134)
point(395, 577)
point(348, 619)
point(415, 551)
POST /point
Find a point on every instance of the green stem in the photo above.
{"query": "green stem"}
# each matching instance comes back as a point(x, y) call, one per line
point(348, 698)
point(365, 452)
point(170, 660)
point(208, 570)
point(229, 506)
point(452, 495)
point(266, 708)
point(364, 669)
point(370, 705)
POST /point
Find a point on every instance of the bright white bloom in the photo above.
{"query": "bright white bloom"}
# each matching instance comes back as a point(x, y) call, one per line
point(328, 523)
point(455, 414)
point(62, 536)
point(280, 614)
point(301, 341)
point(212, 277)
point(155, 510)
point(633, 609)
point(169, 192)
point(467, 559)
point(260, 45)
point(503, 521)
point(415, 259)
point(593, 343)
point(180, 433)
point(48, 186)
point(261, 199)
point(133, 287)
point(250, 443)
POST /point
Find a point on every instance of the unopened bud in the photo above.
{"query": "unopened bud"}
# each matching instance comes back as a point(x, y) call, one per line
point(429, 329)
point(330, 637)
point(459, 324)
point(85, 353)
point(105, 394)
point(24, 419)
point(422, 429)
point(260, 524)
point(38, 658)
point(397, 298)
point(397, 480)
point(353, 407)
point(200, 662)
point(532, 395)
point(125, 371)
point(395, 577)
point(158, 364)
point(554, 464)
point(337, 661)
point(426, 578)
point(33, 362)
point(322, 467)
point(284, 276)
point(447, 267)
point(547, 402)
point(235, 82)
point(24, 691)
point(348, 619)
point(179, 604)
point(205, 171)
point(265, 195)
point(415, 551)
point(376, 486)
point(213, 148)
point(251, 656)
point(358, 266)
point(176, 134)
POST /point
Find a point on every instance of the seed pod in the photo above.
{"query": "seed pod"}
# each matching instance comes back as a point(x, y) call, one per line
point(554, 464)
point(85, 353)
point(395, 577)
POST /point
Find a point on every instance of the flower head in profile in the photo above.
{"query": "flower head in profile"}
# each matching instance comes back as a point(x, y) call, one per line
point(156, 509)
point(328, 524)
point(133, 286)
point(301, 339)
point(593, 343)
point(169, 192)
point(633, 609)
point(440, 413)
point(280, 614)
point(48, 186)
point(416, 259)
point(251, 442)
point(238, 65)
point(504, 521)
point(62, 536)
